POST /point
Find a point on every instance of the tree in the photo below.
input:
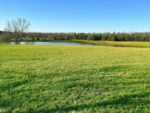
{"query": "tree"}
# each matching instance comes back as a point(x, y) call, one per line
point(113, 37)
point(5, 36)
point(81, 35)
point(1, 37)
point(1, 32)
point(127, 38)
point(90, 37)
point(17, 27)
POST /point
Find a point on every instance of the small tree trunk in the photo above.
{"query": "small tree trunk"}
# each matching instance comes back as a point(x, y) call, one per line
point(37, 38)
point(16, 40)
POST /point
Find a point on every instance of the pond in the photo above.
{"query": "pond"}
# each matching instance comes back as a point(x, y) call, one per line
point(54, 43)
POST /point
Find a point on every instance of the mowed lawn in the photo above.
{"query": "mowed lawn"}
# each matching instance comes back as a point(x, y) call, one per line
point(85, 79)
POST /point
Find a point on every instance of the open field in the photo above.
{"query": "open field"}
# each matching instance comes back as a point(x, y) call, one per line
point(50, 78)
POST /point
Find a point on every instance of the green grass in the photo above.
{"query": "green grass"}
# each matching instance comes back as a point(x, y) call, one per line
point(52, 78)
point(118, 43)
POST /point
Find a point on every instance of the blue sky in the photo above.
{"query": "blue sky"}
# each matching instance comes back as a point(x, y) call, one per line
point(79, 15)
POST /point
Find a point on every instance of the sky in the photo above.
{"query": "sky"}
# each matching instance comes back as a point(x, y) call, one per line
point(86, 16)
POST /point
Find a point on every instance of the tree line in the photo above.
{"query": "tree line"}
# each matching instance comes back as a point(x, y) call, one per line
point(136, 36)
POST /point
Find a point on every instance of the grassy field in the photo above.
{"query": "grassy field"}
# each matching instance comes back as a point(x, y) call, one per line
point(50, 78)
point(118, 43)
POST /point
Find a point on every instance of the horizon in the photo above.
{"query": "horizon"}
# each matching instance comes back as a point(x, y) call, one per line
point(79, 16)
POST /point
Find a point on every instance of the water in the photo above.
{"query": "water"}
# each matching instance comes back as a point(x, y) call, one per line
point(54, 43)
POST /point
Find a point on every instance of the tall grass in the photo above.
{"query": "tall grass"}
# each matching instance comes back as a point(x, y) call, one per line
point(49, 78)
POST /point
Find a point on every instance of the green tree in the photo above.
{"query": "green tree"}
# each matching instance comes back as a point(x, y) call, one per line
point(81, 36)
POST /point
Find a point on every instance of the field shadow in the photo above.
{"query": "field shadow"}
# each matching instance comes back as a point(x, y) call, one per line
point(114, 68)
point(39, 59)
point(11, 85)
point(125, 100)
